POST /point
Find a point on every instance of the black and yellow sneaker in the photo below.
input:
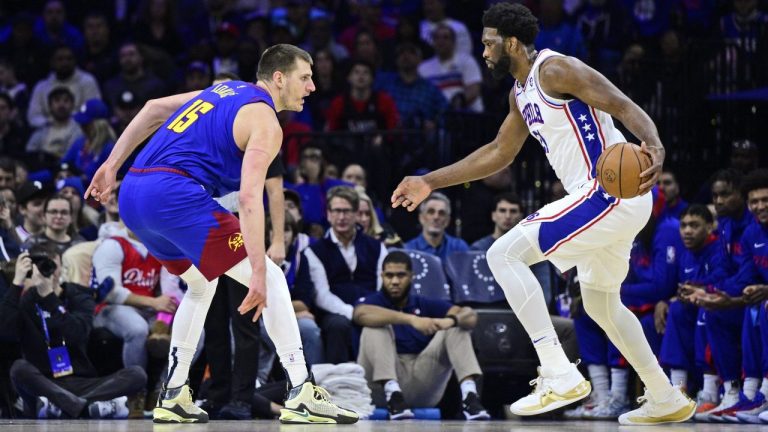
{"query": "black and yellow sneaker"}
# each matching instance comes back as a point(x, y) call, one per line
point(309, 403)
point(175, 405)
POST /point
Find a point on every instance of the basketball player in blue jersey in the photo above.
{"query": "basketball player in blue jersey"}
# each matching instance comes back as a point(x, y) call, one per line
point(568, 108)
point(207, 144)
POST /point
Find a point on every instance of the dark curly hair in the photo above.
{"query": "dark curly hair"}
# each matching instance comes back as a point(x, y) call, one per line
point(512, 19)
point(757, 179)
point(728, 176)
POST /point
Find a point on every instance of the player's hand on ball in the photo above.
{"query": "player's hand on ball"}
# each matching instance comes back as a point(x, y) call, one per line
point(257, 294)
point(102, 184)
point(651, 175)
point(410, 193)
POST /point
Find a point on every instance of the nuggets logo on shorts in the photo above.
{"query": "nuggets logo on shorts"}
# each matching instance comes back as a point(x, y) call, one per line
point(235, 241)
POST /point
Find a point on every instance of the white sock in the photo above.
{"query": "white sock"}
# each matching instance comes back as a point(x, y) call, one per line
point(623, 328)
point(390, 387)
point(509, 259)
point(728, 385)
point(750, 387)
point(188, 325)
point(764, 387)
point(679, 376)
point(279, 318)
point(550, 352)
point(295, 366)
point(467, 387)
point(710, 385)
point(598, 374)
point(619, 378)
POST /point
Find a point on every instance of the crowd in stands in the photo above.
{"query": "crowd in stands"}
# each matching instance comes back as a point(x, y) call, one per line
point(369, 285)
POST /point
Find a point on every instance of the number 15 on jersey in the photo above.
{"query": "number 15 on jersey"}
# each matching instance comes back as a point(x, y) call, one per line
point(190, 115)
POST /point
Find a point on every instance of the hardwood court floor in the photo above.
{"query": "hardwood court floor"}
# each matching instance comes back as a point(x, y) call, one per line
point(363, 426)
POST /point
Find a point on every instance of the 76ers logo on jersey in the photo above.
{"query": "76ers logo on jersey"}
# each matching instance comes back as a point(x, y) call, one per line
point(532, 114)
point(235, 241)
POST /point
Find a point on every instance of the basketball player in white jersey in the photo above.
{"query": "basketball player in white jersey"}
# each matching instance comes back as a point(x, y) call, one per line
point(567, 107)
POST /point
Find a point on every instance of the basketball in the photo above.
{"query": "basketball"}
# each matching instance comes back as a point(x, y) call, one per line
point(619, 167)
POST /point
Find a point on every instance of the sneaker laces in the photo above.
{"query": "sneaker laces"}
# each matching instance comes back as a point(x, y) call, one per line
point(540, 384)
point(322, 395)
point(644, 400)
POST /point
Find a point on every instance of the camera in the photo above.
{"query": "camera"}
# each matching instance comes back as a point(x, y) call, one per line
point(45, 265)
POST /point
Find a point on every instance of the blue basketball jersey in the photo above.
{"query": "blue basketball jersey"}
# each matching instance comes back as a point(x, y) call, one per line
point(198, 138)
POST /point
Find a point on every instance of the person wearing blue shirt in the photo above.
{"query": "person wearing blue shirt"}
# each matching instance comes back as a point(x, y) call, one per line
point(753, 274)
point(434, 217)
point(683, 347)
point(417, 342)
point(418, 101)
point(311, 185)
point(725, 312)
point(670, 189)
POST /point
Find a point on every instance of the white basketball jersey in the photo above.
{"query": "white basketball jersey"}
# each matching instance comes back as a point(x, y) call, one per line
point(572, 133)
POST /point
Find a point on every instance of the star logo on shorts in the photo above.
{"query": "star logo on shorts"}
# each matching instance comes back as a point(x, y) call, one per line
point(235, 241)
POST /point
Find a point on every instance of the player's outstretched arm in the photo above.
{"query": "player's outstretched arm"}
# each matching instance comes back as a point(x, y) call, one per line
point(154, 113)
point(263, 143)
point(481, 163)
point(570, 76)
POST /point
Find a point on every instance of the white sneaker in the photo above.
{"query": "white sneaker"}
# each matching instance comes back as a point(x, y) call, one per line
point(706, 405)
point(47, 410)
point(609, 409)
point(751, 416)
point(763, 416)
point(677, 408)
point(730, 399)
point(552, 391)
point(116, 408)
point(582, 410)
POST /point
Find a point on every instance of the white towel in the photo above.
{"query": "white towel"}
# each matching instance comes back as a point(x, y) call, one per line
point(347, 386)
point(321, 371)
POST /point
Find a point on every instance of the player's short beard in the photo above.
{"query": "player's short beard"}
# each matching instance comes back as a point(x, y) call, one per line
point(501, 68)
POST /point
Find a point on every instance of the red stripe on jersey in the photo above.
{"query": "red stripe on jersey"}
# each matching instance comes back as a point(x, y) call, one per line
point(582, 147)
point(599, 128)
point(565, 210)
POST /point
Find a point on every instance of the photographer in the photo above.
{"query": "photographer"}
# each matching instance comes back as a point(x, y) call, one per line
point(55, 375)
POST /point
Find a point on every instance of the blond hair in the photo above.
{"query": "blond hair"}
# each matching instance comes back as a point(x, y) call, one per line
point(375, 230)
point(100, 133)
